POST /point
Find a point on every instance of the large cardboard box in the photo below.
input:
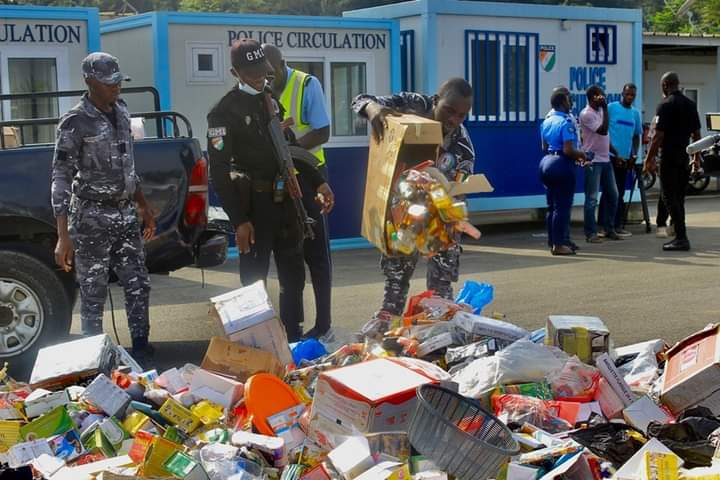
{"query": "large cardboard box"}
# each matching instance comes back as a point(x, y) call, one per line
point(369, 397)
point(586, 337)
point(692, 372)
point(247, 318)
point(408, 141)
point(70, 362)
point(239, 361)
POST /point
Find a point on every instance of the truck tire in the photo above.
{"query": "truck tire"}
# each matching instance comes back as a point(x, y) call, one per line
point(35, 308)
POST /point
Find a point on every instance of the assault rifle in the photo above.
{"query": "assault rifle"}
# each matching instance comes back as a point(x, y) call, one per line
point(287, 168)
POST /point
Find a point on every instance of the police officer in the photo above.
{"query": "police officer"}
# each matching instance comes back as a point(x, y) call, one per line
point(456, 160)
point(302, 98)
point(246, 176)
point(96, 198)
point(557, 170)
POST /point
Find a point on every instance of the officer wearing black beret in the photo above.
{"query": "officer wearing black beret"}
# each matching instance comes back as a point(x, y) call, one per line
point(247, 179)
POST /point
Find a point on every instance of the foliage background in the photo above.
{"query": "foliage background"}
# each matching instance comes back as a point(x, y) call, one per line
point(660, 15)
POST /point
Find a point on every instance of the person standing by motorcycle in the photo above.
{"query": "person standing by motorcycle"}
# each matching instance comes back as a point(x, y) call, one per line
point(677, 122)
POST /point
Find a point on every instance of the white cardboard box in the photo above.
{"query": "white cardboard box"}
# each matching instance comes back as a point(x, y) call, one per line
point(216, 388)
point(615, 379)
point(243, 308)
point(643, 411)
point(352, 457)
point(368, 397)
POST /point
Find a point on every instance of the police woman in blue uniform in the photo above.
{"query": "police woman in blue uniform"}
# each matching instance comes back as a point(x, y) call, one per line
point(557, 170)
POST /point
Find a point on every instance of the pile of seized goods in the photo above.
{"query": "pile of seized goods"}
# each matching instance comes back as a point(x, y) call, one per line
point(424, 216)
point(440, 392)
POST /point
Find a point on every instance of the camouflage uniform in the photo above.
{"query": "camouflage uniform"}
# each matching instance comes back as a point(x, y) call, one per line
point(456, 156)
point(94, 182)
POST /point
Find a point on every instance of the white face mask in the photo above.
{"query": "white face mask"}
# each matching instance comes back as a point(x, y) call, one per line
point(244, 87)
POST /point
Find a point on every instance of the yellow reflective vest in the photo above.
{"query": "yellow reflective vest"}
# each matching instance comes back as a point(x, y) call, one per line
point(291, 100)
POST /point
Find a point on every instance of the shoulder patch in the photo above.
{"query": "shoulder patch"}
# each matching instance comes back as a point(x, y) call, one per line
point(216, 132)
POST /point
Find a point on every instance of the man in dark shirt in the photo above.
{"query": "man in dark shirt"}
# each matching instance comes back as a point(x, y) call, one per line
point(456, 160)
point(677, 122)
point(246, 176)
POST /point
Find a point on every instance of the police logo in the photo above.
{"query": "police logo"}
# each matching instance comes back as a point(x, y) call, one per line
point(217, 143)
point(248, 119)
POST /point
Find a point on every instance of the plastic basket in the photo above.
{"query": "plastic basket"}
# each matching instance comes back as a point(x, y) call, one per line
point(459, 436)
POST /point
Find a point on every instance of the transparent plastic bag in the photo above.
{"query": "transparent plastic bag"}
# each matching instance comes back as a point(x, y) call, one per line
point(575, 381)
point(520, 409)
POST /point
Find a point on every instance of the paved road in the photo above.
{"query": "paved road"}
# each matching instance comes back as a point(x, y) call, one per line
point(639, 291)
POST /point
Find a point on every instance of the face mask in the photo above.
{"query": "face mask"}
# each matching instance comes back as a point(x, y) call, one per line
point(244, 87)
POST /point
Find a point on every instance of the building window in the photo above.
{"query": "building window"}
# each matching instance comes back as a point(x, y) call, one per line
point(407, 60)
point(204, 62)
point(692, 94)
point(316, 69)
point(502, 68)
point(34, 75)
point(601, 43)
point(348, 80)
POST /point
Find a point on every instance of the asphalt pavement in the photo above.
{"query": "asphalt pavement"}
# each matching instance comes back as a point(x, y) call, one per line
point(639, 291)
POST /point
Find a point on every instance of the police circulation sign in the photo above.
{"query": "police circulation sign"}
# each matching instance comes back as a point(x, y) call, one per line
point(39, 33)
point(315, 40)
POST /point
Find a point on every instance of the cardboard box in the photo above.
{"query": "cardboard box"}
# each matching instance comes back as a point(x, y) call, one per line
point(610, 403)
point(239, 361)
point(42, 401)
point(692, 372)
point(68, 363)
point(11, 136)
point(615, 379)
point(408, 141)
point(370, 397)
point(221, 390)
point(352, 457)
point(243, 308)
point(107, 396)
point(586, 337)
point(269, 336)
point(643, 411)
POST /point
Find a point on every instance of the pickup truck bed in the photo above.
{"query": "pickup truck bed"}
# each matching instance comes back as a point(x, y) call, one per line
point(36, 298)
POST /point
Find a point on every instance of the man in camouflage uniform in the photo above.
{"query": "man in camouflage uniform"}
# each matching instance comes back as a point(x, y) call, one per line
point(456, 160)
point(95, 191)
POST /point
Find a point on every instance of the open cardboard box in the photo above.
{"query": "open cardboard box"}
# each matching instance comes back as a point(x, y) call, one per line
point(408, 141)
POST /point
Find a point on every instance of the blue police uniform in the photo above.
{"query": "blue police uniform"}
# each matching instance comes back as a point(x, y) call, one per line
point(557, 172)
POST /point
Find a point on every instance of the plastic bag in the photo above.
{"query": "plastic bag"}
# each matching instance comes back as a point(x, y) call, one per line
point(575, 382)
point(309, 349)
point(469, 328)
point(642, 371)
point(690, 438)
point(521, 362)
point(475, 294)
point(616, 442)
point(519, 409)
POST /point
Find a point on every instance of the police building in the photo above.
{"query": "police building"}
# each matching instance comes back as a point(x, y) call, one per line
point(512, 54)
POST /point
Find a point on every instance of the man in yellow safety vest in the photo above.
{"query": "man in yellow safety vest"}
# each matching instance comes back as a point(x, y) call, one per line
point(302, 98)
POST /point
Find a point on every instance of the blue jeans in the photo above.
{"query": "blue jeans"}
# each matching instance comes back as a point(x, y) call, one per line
point(599, 175)
point(557, 173)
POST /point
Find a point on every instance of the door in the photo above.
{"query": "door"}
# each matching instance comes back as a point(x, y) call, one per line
point(34, 70)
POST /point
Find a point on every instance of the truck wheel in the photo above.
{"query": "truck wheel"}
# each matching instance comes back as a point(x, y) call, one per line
point(34, 308)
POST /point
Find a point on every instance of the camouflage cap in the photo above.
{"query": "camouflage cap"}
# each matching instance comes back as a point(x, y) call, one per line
point(102, 67)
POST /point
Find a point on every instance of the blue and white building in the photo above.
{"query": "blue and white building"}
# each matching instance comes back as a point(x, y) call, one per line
point(186, 57)
point(514, 55)
point(41, 49)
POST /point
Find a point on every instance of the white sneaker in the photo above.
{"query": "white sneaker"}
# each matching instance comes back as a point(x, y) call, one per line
point(661, 232)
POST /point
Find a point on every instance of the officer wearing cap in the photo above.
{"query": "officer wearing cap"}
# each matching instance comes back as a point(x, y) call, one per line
point(302, 98)
point(557, 170)
point(96, 198)
point(247, 179)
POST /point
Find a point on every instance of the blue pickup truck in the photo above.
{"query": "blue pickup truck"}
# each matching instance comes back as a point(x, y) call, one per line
point(36, 297)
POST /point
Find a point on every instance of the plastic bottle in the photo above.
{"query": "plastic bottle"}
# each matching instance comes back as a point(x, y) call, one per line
point(440, 198)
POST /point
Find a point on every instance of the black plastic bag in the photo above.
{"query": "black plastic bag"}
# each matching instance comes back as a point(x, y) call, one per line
point(615, 442)
point(689, 438)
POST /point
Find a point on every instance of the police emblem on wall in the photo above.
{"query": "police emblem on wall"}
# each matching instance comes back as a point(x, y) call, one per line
point(547, 57)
